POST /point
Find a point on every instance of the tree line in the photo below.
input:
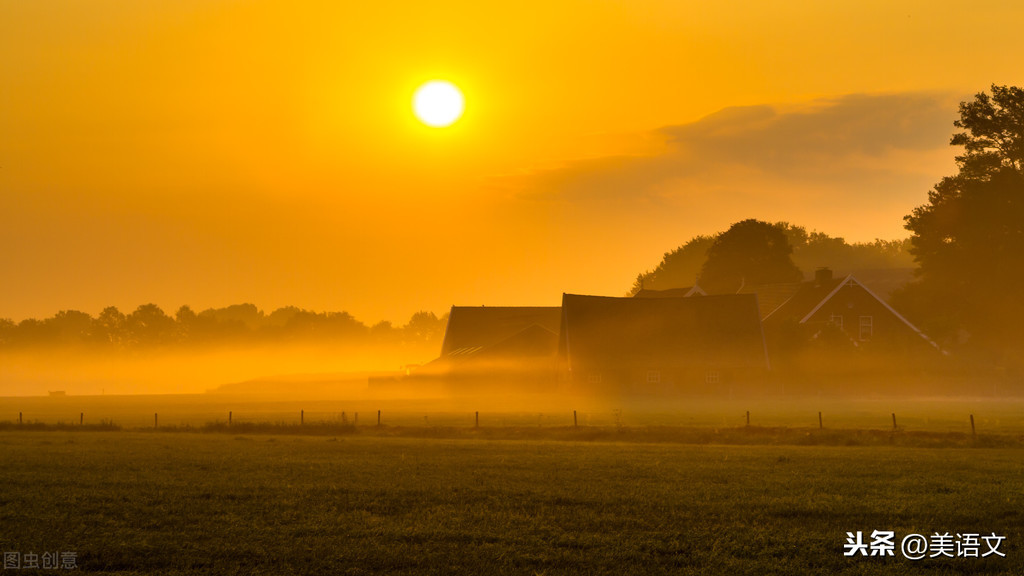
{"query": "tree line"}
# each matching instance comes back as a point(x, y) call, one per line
point(149, 326)
point(772, 251)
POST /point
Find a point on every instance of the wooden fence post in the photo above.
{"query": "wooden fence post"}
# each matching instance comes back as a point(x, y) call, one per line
point(378, 417)
point(81, 419)
point(229, 417)
point(302, 417)
point(894, 421)
point(156, 421)
point(19, 419)
point(972, 426)
point(477, 424)
point(575, 423)
point(748, 418)
point(820, 424)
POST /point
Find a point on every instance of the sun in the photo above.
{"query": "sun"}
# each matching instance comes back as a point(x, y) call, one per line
point(438, 103)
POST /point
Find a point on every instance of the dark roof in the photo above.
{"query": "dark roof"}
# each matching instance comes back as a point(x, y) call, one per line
point(771, 296)
point(667, 332)
point(670, 292)
point(806, 297)
point(512, 329)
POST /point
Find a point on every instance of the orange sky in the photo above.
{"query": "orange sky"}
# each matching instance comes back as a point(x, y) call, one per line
point(211, 152)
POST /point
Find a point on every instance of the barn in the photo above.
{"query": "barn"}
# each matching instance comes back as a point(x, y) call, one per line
point(661, 344)
point(488, 346)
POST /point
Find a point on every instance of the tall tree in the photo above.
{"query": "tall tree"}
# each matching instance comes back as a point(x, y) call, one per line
point(678, 268)
point(149, 325)
point(109, 327)
point(749, 252)
point(968, 240)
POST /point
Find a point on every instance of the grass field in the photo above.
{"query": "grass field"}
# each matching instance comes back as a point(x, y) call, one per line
point(135, 502)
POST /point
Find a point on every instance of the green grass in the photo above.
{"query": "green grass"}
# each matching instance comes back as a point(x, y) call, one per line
point(150, 503)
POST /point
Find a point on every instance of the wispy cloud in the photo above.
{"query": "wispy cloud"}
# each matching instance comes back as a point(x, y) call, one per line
point(841, 144)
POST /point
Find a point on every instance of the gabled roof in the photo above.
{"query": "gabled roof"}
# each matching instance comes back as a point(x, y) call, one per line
point(804, 297)
point(813, 295)
point(472, 329)
point(534, 340)
point(665, 332)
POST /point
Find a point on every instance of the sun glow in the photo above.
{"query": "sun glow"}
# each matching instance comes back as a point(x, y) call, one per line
point(438, 103)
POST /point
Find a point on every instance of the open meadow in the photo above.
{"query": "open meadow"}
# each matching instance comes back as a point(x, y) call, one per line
point(370, 501)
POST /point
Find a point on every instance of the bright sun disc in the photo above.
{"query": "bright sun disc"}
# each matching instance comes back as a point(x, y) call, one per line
point(438, 103)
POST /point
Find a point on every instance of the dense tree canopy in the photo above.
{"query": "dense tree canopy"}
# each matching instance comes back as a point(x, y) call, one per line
point(968, 240)
point(811, 250)
point(678, 268)
point(749, 252)
point(150, 327)
point(994, 138)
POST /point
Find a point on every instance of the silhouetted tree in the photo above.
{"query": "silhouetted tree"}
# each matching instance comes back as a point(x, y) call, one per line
point(186, 321)
point(148, 325)
point(384, 332)
point(811, 250)
point(279, 318)
point(343, 325)
point(31, 331)
point(750, 252)
point(70, 327)
point(968, 240)
point(678, 268)
point(245, 316)
point(235, 322)
point(109, 327)
point(994, 140)
point(425, 327)
point(7, 331)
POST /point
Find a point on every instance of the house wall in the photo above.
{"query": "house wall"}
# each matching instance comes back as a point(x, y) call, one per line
point(865, 320)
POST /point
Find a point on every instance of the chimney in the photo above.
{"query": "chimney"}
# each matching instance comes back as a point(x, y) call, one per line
point(822, 275)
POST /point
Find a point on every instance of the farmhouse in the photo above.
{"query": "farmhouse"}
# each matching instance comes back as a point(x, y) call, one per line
point(488, 345)
point(844, 309)
point(678, 341)
point(661, 344)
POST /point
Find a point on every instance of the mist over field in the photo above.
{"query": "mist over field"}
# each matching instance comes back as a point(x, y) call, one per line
point(84, 372)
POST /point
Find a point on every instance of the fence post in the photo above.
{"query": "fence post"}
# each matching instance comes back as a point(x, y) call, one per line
point(156, 421)
point(575, 423)
point(378, 417)
point(229, 417)
point(477, 424)
point(19, 419)
point(302, 417)
point(820, 424)
point(748, 418)
point(894, 421)
point(972, 426)
point(81, 419)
